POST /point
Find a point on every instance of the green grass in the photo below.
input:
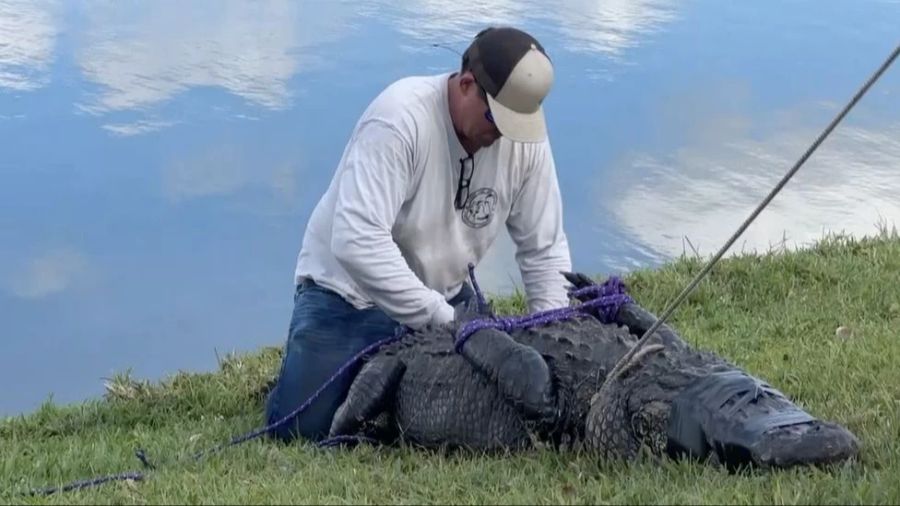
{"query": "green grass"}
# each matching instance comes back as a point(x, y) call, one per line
point(775, 315)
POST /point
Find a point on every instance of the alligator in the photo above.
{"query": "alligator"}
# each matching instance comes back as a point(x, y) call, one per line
point(546, 385)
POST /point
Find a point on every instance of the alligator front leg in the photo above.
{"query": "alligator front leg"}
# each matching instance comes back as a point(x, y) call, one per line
point(612, 431)
point(371, 392)
point(607, 431)
point(521, 374)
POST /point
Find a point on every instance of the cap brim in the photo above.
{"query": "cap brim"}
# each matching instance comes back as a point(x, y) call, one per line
point(517, 126)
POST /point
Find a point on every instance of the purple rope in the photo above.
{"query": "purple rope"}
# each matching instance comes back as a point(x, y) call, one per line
point(609, 297)
point(401, 331)
point(135, 476)
point(479, 296)
point(336, 440)
point(143, 458)
point(141, 455)
point(612, 285)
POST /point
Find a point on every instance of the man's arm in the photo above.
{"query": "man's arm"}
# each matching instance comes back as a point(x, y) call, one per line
point(377, 173)
point(535, 224)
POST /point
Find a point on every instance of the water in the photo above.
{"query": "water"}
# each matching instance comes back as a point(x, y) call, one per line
point(159, 161)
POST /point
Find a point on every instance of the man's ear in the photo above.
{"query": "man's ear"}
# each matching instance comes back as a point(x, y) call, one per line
point(467, 82)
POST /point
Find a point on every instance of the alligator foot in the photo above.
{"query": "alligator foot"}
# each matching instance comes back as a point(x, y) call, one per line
point(520, 372)
point(607, 432)
point(614, 433)
point(637, 319)
point(371, 392)
point(743, 422)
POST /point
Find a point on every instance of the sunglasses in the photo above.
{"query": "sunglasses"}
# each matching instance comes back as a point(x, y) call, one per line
point(487, 114)
point(466, 168)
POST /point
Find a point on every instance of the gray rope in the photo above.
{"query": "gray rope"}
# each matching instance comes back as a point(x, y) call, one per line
point(617, 369)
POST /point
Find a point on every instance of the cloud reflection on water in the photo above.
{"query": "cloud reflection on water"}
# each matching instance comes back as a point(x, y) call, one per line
point(605, 27)
point(610, 27)
point(141, 57)
point(701, 193)
point(28, 30)
point(50, 272)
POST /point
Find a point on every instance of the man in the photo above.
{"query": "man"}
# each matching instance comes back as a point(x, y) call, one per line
point(433, 170)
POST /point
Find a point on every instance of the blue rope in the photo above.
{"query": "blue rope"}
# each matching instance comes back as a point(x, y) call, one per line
point(609, 297)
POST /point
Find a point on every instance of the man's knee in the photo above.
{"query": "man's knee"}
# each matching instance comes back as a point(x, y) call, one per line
point(316, 348)
point(303, 417)
point(289, 429)
point(286, 431)
point(290, 407)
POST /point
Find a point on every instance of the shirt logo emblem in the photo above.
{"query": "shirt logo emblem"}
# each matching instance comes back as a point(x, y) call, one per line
point(480, 207)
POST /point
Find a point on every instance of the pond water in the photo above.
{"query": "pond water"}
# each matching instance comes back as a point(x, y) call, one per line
point(159, 161)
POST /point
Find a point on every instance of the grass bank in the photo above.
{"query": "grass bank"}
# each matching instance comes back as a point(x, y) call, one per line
point(776, 315)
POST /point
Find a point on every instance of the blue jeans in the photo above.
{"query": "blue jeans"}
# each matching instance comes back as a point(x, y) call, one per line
point(325, 333)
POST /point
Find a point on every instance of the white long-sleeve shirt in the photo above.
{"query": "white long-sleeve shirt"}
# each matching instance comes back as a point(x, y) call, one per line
point(386, 231)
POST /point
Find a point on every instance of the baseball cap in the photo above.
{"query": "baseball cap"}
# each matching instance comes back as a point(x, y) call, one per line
point(517, 74)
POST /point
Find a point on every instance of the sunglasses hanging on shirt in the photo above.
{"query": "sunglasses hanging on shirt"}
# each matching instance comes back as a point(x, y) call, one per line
point(466, 168)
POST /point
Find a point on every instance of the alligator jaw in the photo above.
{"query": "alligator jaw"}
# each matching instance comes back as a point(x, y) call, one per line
point(815, 443)
point(742, 422)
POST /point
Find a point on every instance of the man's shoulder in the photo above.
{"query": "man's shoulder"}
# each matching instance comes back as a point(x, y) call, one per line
point(411, 106)
point(526, 153)
point(411, 95)
point(417, 85)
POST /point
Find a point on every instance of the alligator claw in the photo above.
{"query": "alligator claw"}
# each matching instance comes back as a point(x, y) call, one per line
point(578, 279)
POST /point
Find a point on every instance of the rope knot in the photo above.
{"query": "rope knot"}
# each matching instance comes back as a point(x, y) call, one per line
point(473, 326)
point(612, 286)
point(605, 299)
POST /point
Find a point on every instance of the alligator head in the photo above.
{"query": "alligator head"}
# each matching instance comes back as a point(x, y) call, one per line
point(680, 402)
